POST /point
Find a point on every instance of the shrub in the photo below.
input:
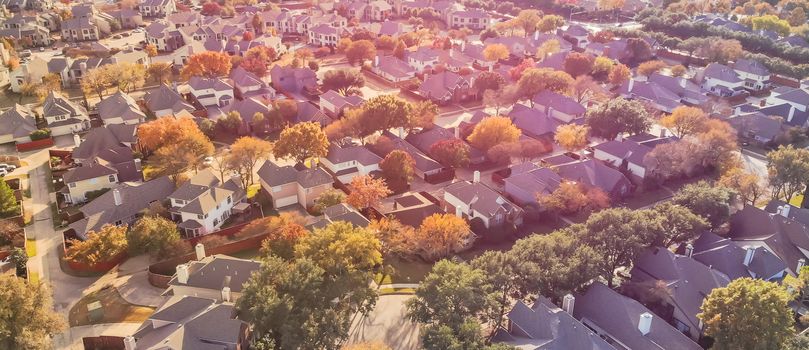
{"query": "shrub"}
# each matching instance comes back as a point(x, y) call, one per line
point(40, 134)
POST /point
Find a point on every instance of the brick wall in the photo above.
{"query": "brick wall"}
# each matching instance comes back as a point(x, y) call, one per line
point(38, 144)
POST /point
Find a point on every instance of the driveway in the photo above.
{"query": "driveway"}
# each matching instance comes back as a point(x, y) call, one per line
point(388, 324)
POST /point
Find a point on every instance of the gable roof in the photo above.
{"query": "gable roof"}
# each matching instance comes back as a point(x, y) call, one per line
point(164, 98)
point(359, 154)
point(481, 198)
point(593, 173)
point(442, 84)
point(757, 123)
point(56, 105)
point(559, 102)
point(275, 175)
point(533, 121)
point(786, 238)
point(104, 138)
point(89, 171)
point(751, 66)
point(121, 105)
point(217, 271)
point(728, 257)
point(18, 121)
point(721, 72)
point(423, 162)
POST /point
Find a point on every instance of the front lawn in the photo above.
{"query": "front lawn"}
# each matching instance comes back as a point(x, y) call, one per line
point(114, 309)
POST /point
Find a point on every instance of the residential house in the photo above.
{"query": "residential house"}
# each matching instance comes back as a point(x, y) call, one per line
point(393, 69)
point(294, 81)
point(533, 122)
point(82, 180)
point(288, 185)
point(424, 59)
point(785, 237)
point(689, 92)
point(625, 323)
point(446, 87)
point(797, 99)
point(203, 203)
point(120, 206)
point(544, 326)
point(476, 19)
point(191, 322)
point(347, 162)
point(688, 282)
point(721, 80)
point(474, 200)
point(63, 116)
point(576, 34)
point(157, 8)
point(80, 29)
point(163, 36)
point(758, 127)
point(594, 173)
point(308, 112)
point(736, 259)
point(411, 208)
point(101, 140)
point(755, 75)
point(247, 84)
point(207, 276)
point(184, 19)
point(31, 71)
point(625, 155)
point(652, 93)
point(324, 35)
point(16, 124)
point(120, 108)
point(128, 18)
point(340, 212)
point(31, 32)
point(334, 104)
point(558, 106)
point(211, 91)
point(424, 165)
point(165, 101)
point(527, 181)
point(426, 138)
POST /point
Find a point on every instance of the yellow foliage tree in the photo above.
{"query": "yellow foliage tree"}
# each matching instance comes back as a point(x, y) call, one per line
point(102, 246)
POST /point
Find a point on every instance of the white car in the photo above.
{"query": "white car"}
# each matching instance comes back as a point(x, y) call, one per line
point(7, 167)
point(3, 172)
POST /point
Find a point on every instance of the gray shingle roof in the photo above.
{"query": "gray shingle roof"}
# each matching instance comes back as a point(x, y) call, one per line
point(120, 105)
point(359, 154)
point(274, 175)
point(594, 173)
point(217, 271)
point(90, 171)
point(101, 139)
point(17, 121)
point(728, 256)
point(164, 98)
point(786, 238)
point(481, 198)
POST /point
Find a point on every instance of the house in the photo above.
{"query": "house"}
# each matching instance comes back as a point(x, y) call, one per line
point(736, 259)
point(211, 91)
point(63, 116)
point(324, 35)
point(527, 181)
point(689, 92)
point(340, 212)
point(797, 99)
point(308, 112)
point(475, 19)
point(334, 104)
point(393, 69)
point(577, 34)
point(533, 122)
point(128, 18)
point(558, 106)
point(207, 276)
point(446, 87)
point(203, 203)
point(624, 155)
point(36, 34)
point(17, 124)
point(247, 84)
point(288, 185)
point(474, 200)
point(80, 29)
point(164, 101)
point(785, 237)
point(184, 19)
point(120, 206)
point(99, 141)
point(425, 166)
point(191, 322)
point(652, 93)
point(426, 138)
point(424, 59)
point(347, 162)
point(82, 180)
point(687, 281)
point(157, 8)
point(545, 326)
point(31, 71)
point(411, 208)
point(721, 80)
point(294, 81)
point(755, 75)
point(626, 323)
point(162, 35)
point(594, 173)
point(120, 108)
point(758, 127)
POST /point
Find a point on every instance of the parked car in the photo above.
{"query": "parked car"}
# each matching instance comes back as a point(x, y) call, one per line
point(8, 167)
point(3, 172)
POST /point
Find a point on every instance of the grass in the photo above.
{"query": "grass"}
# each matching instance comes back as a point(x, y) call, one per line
point(405, 271)
point(252, 254)
point(31, 247)
point(115, 309)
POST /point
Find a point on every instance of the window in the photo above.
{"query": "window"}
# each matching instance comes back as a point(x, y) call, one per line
point(199, 216)
point(276, 189)
point(72, 185)
point(229, 200)
point(112, 178)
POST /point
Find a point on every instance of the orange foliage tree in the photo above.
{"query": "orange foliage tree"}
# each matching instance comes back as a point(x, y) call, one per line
point(366, 191)
point(208, 64)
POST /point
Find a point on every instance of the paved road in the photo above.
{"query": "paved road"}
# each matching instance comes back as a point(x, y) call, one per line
point(387, 323)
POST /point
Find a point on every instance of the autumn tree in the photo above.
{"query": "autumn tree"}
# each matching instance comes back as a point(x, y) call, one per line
point(385, 112)
point(366, 191)
point(577, 64)
point(344, 81)
point(181, 155)
point(678, 70)
point(529, 20)
point(685, 121)
point(517, 71)
point(154, 235)
point(495, 52)
point(788, 169)
point(301, 142)
point(96, 81)
point(452, 153)
point(160, 132)
point(160, 72)
point(571, 197)
point(422, 115)
point(151, 50)
point(257, 60)
point(441, 235)
point(746, 184)
point(398, 168)
point(602, 67)
point(637, 50)
point(709, 201)
point(244, 156)
point(211, 8)
point(748, 314)
point(536, 80)
point(208, 64)
point(359, 51)
point(619, 74)
point(571, 137)
point(649, 67)
point(550, 23)
point(329, 198)
point(104, 245)
point(397, 239)
point(492, 131)
point(771, 22)
point(549, 47)
point(488, 81)
point(618, 116)
point(585, 89)
point(27, 320)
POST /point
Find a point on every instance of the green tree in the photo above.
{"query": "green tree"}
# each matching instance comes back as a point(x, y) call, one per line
point(500, 269)
point(329, 198)
point(343, 81)
point(679, 223)
point(385, 112)
point(27, 319)
point(788, 169)
point(8, 203)
point(154, 235)
point(748, 314)
point(618, 116)
point(709, 201)
point(301, 142)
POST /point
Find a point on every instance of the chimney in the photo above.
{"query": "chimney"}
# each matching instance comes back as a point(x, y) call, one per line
point(491, 68)
point(567, 303)
point(83, 67)
point(457, 132)
point(645, 323)
point(200, 250)
point(236, 50)
point(631, 85)
point(76, 140)
point(619, 137)
point(785, 210)
point(791, 113)
point(224, 44)
point(182, 273)
point(116, 197)
point(748, 256)
point(400, 131)
point(663, 132)
point(476, 176)
point(376, 61)
point(682, 82)
point(536, 35)
point(138, 167)
point(738, 110)
point(129, 343)
point(801, 264)
point(689, 250)
point(463, 46)
point(226, 294)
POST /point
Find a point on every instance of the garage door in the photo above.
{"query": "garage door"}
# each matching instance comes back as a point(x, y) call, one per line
point(286, 201)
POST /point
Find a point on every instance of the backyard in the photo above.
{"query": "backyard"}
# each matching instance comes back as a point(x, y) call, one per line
point(113, 309)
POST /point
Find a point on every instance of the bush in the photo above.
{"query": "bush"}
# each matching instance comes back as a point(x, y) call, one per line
point(213, 241)
point(40, 134)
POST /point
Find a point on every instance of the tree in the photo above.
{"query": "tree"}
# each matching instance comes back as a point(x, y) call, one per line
point(109, 242)
point(500, 98)
point(329, 198)
point(528, 20)
point(452, 153)
point(678, 70)
point(649, 67)
point(157, 133)
point(748, 314)
point(550, 23)
point(301, 142)
point(577, 64)
point(586, 89)
point(399, 50)
point(283, 233)
point(28, 320)
point(151, 50)
point(8, 202)
point(788, 169)
point(602, 67)
point(569, 198)
point(492, 131)
point(440, 235)
point(366, 191)
point(679, 223)
point(208, 64)
point(771, 22)
point(211, 8)
point(398, 167)
point(343, 81)
point(340, 248)
point(571, 137)
point(232, 122)
point(359, 51)
point(257, 60)
point(385, 112)
point(385, 42)
point(488, 81)
point(495, 52)
point(500, 271)
point(244, 156)
point(396, 238)
point(96, 81)
point(709, 201)
point(154, 235)
point(618, 116)
point(182, 155)
point(747, 185)
point(304, 54)
point(549, 47)
point(536, 80)
point(422, 115)
point(684, 121)
point(637, 50)
point(19, 258)
point(516, 73)
point(619, 74)
point(797, 17)
point(160, 72)
point(367, 346)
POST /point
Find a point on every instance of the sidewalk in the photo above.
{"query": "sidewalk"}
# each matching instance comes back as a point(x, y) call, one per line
point(131, 280)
